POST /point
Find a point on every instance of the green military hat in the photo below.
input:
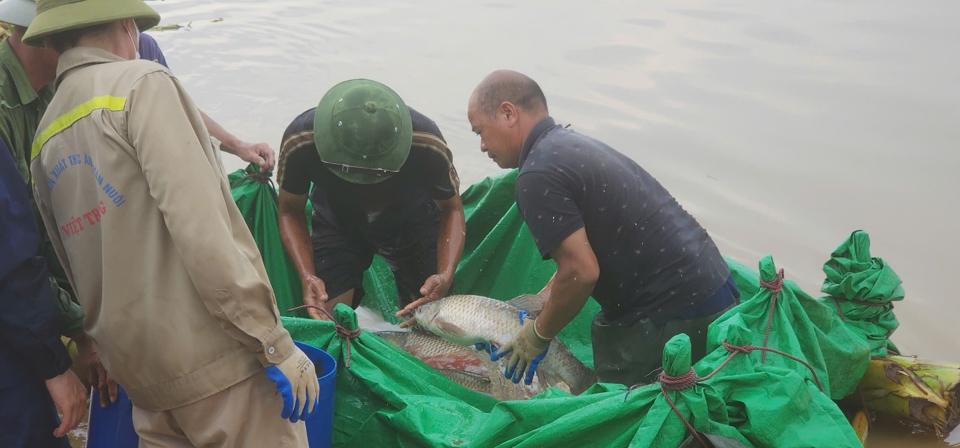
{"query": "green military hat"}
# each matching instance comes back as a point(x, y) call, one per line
point(55, 16)
point(362, 131)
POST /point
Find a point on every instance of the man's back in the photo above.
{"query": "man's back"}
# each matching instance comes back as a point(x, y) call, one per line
point(652, 253)
point(134, 198)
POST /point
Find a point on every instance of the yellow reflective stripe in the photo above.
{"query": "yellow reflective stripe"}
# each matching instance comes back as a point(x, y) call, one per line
point(65, 121)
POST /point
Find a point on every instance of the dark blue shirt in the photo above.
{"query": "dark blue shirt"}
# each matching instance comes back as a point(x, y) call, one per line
point(655, 260)
point(30, 345)
point(150, 51)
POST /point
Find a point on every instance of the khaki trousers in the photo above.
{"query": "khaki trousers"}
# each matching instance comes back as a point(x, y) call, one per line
point(244, 415)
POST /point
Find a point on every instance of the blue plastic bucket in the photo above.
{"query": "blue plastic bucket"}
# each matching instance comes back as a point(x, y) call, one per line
point(112, 426)
point(320, 423)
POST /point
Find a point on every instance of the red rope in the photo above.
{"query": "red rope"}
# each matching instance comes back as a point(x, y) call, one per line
point(342, 331)
point(262, 178)
point(737, 349)
point(681, 382)
point(677, 411)
point(775, 287)
point(734, 351)
point(839, 311)
point(855, 302)
point(690, 379)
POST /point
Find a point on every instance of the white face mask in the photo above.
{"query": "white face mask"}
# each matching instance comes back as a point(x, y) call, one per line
point(136, 43)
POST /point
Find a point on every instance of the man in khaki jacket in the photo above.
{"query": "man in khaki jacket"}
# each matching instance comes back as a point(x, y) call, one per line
point(176, 297)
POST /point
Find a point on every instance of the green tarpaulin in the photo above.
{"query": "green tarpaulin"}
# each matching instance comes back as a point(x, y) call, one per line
point(864, 289)
point(606, 415)
point(800, 325)
point(389, 398)
point(257, 200)
point(774, 406)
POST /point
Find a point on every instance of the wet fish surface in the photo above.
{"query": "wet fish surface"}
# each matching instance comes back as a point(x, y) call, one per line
point(471, 319)
point(463, 365)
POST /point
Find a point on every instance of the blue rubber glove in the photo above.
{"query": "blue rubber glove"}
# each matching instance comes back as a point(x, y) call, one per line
point(486, 346)
point(527, 350)
point(296, 380)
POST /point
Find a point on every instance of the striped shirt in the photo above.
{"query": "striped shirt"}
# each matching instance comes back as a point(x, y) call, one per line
point(428, 174)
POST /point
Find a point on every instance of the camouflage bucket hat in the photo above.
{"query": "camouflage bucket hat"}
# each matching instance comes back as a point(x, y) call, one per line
point(55, 16)
point(362, 131)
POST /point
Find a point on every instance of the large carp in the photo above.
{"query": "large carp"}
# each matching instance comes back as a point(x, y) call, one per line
point(463, 365)
point(469, 319)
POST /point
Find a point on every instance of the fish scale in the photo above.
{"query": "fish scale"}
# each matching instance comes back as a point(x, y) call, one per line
point(471, 319)
point(467, 319)
point(463, 365)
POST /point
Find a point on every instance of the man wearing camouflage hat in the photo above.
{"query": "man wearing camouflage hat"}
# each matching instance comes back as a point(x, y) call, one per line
point(383, 183)
point(134, 198)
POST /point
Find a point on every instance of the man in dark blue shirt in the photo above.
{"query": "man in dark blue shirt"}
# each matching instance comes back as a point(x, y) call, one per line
point(35, 375)
point(614, 231)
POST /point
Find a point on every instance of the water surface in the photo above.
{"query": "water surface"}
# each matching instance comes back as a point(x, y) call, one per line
point(782, 127)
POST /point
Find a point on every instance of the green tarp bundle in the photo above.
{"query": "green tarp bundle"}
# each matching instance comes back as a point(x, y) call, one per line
point(771, 405)
point(609, 415)
point(257, 200)
point(389, 398)
point(800, 326)
point(864, 289)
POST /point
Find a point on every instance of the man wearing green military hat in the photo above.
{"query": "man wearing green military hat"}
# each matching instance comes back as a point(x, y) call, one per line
point(383, 184)
point(134, 198)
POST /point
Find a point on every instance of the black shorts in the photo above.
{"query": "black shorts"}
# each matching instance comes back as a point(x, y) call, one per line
point(342, 253)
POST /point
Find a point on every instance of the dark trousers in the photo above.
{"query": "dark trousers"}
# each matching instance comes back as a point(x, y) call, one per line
point(28, 417)
point(633, 354)
point(343, 253)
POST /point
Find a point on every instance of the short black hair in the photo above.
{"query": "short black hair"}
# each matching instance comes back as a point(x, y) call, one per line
point(516, 88)
point(63, 41)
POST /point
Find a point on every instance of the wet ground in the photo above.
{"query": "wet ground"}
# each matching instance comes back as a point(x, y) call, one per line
point(78, 437)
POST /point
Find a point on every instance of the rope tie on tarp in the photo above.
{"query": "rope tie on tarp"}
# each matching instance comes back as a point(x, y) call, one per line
point(262, 178)
point(855, 302)
point(342, 331)
point(775, 287)
point(690, 379)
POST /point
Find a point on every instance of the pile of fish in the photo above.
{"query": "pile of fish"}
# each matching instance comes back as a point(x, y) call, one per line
point(454, 324)
point(462, 364)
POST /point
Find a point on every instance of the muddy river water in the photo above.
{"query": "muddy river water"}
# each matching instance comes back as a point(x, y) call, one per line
point(782, 126)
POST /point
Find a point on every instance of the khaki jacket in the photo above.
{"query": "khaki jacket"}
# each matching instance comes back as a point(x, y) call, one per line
point(134, 198)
